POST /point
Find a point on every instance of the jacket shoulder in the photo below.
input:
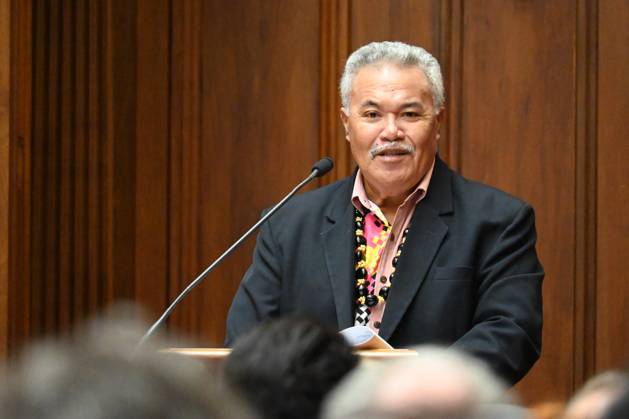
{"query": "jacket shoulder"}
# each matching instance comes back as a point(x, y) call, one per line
point(320, 201)
point(484, 199)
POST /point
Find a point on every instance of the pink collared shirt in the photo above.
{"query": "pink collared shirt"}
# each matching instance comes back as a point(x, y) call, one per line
point(382, 243)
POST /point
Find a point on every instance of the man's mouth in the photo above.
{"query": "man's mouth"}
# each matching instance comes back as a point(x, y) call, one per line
point(396, 152)
point(391, 149)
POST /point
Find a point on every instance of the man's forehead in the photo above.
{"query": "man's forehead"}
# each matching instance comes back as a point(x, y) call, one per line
point(390, 79)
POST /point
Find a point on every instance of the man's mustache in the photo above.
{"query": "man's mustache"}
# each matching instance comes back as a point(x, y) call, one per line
point(393, 147)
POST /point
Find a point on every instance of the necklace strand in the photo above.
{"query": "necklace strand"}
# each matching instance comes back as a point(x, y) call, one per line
point(364, 297)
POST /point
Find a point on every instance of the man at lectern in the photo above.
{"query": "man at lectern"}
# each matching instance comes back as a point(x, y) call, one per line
point(405, 245)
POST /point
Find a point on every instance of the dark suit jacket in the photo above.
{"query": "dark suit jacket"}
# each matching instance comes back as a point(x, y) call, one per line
point(469, 274)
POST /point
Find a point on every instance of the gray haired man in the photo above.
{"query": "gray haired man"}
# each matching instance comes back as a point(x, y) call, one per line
point(404, 246)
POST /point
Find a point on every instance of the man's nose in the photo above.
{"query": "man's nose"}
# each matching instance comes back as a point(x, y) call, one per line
point(391, 129)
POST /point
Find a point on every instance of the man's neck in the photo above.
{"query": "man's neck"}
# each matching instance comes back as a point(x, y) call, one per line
point(388, 203)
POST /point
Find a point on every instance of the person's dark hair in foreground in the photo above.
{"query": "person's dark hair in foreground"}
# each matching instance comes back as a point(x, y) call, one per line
point(286, 367)
point(99, 375)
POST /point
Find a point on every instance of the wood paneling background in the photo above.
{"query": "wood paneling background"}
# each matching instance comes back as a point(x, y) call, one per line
point(517, 123)
point(147, 135)
point(5, 105)
point(612, 185)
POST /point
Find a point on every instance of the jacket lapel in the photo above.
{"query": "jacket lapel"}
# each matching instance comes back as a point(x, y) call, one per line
point(427, 231)
point(338, 246)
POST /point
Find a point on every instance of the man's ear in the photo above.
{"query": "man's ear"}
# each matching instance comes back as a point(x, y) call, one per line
point(437, 125)
point(439, 118)
point(345, 119)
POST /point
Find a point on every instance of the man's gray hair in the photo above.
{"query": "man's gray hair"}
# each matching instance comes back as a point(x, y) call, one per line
point(398, 53)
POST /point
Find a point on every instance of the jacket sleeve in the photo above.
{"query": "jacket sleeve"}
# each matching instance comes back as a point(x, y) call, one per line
point(258, 296)
point(507, 323)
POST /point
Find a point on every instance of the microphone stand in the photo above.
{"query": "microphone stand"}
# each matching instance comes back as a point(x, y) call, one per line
point(319, 169)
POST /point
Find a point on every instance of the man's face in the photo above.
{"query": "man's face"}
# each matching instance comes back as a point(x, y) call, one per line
point(392, 127)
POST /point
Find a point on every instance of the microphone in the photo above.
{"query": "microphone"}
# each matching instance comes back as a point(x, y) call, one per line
point(319, 169)
point(323, 166)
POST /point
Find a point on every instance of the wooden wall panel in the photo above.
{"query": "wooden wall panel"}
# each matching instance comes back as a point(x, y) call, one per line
point(585, 193)
point(45, 142)
point(20, 173)
point(62, 209)
point(95, 203)
point(450, 57)
point(117, 147)
point(184, 156)
point(334, 48)
point(612, 290)
point(415, 22)
point(5, 83)
point(66, 172)
point(518, 118)
point(255, 106)
point(79, 183)
point(147, 135)
point(151, 155)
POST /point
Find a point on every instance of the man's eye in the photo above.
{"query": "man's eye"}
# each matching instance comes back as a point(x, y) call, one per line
point(410, 115)
point(371, 114)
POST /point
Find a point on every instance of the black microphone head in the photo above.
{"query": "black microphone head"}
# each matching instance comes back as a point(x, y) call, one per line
point(323, 166)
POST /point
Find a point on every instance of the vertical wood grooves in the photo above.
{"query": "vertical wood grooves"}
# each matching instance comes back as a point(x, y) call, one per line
point(450, 51)
point(175, 158)
point(51, 221)
point(69, 169)
point(457, 84)
point(118, 148)
point(188, 245)
point(334, 49)
point(106, 130)
point(67, 107)
point(39, 151)
point(194, 163)
point(585, 191)
point(22, 42)
point(612, 182)
point(80, 192)
point(6, 56)
point(185, 164)
point(170, 248)
point(92, 160)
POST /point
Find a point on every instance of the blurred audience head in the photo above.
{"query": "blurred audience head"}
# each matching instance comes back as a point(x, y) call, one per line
point(98, 374)
point(436, 384)
point(598, 393)
point(285, 367)
point(619, 409)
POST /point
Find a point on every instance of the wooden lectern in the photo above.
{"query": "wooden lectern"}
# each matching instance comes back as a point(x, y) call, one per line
point(216, 355)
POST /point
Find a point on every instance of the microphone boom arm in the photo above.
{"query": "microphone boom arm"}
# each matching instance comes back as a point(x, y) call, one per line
point(316, 172)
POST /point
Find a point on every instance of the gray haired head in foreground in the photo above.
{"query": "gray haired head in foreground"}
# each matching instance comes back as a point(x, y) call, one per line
point(437, 383)
point(98, 374)
point(398, 53)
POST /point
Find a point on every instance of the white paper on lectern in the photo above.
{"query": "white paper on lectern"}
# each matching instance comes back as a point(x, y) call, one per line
point(362, 337)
